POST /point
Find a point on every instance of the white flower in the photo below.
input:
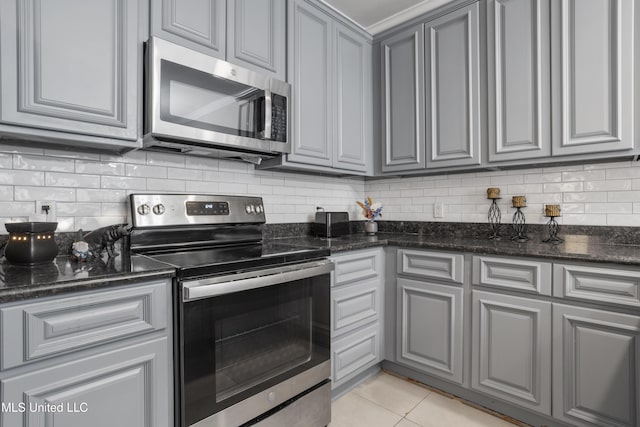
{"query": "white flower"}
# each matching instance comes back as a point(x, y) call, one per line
point(376, 206)
point(80, 246)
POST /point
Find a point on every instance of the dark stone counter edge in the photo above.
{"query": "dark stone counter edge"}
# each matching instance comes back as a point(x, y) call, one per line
point(8, 295)
point(601, 253)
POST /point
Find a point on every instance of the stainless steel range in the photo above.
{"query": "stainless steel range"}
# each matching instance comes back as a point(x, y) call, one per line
point(251, 319)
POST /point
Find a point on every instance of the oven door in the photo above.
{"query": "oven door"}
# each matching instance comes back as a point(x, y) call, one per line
point(252, 341)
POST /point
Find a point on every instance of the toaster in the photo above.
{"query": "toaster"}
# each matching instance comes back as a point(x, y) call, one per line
point(331, 224)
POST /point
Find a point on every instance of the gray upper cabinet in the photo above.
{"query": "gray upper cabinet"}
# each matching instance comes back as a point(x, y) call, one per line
point(197, 24)
point(352, 83)
point(403, 138)
point(592, 66)
point(452, 90)
point(330, 70)
point(310, 54)
point(249, 33)
point(519, 83)
point(73, 66)
point(256, 35)
point(596, 367)
point(511, 349)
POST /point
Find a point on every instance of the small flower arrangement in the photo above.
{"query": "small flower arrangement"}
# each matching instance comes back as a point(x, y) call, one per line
point(370, 210)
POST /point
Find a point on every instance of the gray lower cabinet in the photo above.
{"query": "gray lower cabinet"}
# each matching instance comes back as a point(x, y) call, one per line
point(596, 367)
point(74, 67)
point(330, 69)
point(429, 328)
point(98, 358)
point(356, 313)
point(127, 387)
point(249, 33)
point(511, 349)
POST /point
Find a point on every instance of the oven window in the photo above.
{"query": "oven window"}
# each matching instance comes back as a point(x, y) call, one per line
point(238, 344)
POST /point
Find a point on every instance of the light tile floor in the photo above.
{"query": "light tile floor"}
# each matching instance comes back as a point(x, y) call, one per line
point(389, 401)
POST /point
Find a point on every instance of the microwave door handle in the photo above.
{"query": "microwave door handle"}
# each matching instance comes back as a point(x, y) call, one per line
point(268, 114)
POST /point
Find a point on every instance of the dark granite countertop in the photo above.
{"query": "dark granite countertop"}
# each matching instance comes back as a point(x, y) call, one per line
point(64, 275)
point(576, 247)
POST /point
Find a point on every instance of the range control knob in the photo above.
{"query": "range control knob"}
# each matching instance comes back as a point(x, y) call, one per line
point(259, 209)
point(158, 209)
point(144, 209)
point(250, 209)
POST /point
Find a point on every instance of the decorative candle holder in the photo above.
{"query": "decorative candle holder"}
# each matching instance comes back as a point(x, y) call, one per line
point(552, 212)
point(494, 215)
point(519, 221)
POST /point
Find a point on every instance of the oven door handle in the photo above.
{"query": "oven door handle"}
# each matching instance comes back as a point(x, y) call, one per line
point(216, 286)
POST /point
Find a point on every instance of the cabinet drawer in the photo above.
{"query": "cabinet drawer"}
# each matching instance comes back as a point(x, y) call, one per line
point(357, 266)
point(601, 284)
point(38, 330)
point(355, 306)
point(515, 274)
point(355, 353)
point(434, 265)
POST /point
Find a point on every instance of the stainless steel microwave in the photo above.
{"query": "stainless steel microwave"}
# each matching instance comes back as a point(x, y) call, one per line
point(197, 104)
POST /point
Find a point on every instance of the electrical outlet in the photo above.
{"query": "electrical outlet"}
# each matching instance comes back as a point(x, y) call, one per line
point(46, 211)
point(438, 210)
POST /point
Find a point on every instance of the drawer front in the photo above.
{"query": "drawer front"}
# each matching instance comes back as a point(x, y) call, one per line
point(357, 266)
point(355, 353)
point(433, 265)
point(355, 306)
point(600, 284)
point(44, 329)
point(515, 274)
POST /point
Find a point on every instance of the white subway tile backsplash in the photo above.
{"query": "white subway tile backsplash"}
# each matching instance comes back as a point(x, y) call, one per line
point(166, 185)
point(14, 177)
point(41, 163)
point(6, 161)
point(166, 159)
point(591, 194)
point(609, 185)
point(6, 192)
point(100, 168)
point(100, 195)
point(124, 182)
point(60, 179)
point(144, 171)
point(44, 193)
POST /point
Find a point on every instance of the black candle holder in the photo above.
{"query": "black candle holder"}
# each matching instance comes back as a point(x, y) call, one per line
point(553, 227)
point(494, 217)
point(519, 226)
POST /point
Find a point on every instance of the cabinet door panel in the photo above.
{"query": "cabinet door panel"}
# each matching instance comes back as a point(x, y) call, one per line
point(403, 101)
point(197, 24)
point(519, 79)
point(71, 65)
point(128, 387)
point(430, 328)
point(452, 71)
point(311, 51)
point(592, 75)
point(353, 126)
point(596, 367)
point(511, 356)
point(256, 35)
